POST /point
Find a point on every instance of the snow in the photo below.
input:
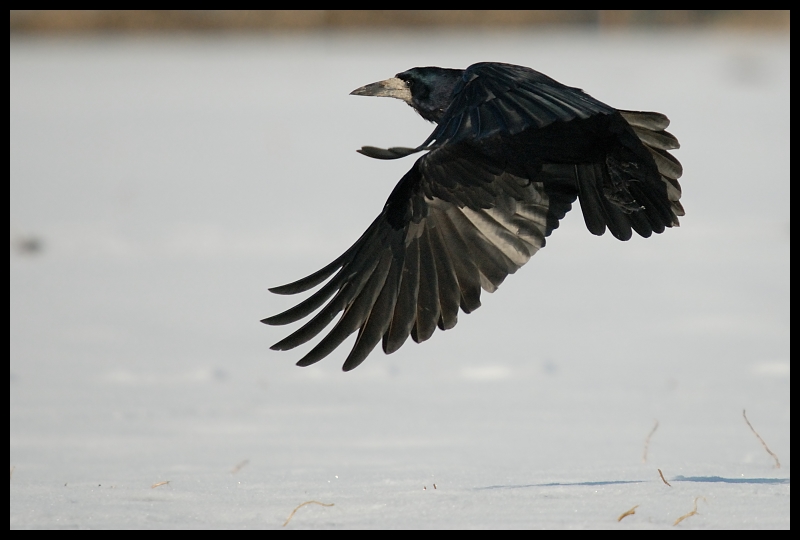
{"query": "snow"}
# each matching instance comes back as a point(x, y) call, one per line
point(159, 186)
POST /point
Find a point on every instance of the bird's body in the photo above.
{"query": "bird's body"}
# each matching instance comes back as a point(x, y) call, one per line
point(511, 152)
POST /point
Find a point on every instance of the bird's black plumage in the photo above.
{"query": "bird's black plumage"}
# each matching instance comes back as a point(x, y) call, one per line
point(511, 152)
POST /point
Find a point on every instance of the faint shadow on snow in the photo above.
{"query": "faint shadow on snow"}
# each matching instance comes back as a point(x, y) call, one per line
point(730, 480)
point(551, 484)
point(676, 479)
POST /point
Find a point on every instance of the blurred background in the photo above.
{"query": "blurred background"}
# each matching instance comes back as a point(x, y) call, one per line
point(167, 167)
point(322, 19)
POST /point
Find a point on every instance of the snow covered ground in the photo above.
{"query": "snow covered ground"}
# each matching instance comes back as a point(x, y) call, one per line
point(160, 185)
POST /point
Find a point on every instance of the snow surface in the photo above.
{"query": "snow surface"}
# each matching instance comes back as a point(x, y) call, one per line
point(159, 186)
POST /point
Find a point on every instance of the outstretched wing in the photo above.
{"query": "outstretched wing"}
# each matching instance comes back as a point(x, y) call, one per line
point(457, 222)
point(494, 98)
point(627, 180)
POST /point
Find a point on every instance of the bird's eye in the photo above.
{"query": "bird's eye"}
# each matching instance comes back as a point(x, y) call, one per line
point(410, 83)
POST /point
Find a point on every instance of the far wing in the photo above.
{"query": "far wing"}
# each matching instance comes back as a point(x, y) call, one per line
point(454, 224)
point(497, 98)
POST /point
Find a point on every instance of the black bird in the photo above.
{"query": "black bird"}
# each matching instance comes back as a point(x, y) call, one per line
point(511, 152)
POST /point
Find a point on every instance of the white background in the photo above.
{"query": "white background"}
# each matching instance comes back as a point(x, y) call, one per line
point(170, 181)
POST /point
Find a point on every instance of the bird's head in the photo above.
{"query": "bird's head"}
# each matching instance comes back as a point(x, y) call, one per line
point(428, 90)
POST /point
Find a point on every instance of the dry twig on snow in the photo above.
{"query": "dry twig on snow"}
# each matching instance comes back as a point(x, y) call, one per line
point(299, 506)
point(628, 513)
point(777, 463)
point(160, 484)
point(663, 479)
point(647, 442)
point(693, 512)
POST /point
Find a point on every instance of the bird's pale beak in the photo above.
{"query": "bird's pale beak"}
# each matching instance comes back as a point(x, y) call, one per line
point(394, 87)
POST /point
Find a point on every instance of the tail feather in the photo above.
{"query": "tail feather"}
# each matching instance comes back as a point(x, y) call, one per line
point(650, 127)
point(649, 120)
point(663, 140)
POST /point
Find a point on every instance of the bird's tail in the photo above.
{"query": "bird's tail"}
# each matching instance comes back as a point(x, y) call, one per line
point(650, 127)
